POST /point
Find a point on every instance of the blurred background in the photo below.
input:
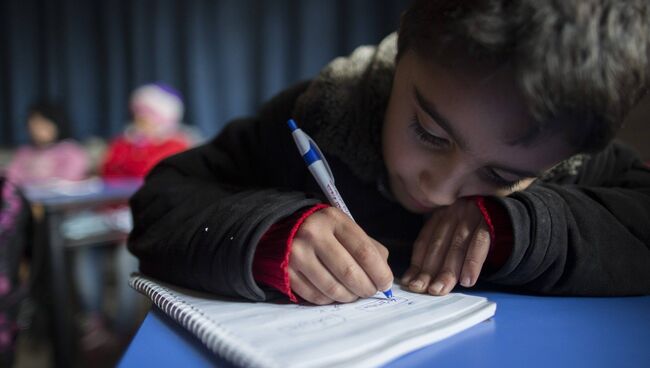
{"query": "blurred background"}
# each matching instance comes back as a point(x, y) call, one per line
point(212, 59)
point(223, 56)
point(80, 62)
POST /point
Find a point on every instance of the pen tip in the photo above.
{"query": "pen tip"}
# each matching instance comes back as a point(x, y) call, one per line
point(292, 125)
point(388, 293)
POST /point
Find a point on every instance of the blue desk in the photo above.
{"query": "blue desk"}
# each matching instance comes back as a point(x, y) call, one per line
point(527, 331)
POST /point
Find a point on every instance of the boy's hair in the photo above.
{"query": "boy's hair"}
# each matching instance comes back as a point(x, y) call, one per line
point(580, 64)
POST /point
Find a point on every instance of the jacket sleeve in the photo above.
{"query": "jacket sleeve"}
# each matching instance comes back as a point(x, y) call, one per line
point(201, 213)
point(591, 237)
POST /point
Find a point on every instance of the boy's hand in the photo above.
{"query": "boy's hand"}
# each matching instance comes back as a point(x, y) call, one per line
point(451, 247)
point(332, 259)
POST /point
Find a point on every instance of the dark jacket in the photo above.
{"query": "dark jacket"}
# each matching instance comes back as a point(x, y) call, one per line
point(582, 230)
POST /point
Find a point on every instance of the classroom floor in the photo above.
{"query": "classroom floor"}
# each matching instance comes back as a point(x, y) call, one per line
point(35, 351)
point(34, 348)
point(32, 351)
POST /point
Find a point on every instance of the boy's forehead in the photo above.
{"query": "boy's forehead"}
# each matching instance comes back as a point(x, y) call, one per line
point(478, 94)
point(484, 106)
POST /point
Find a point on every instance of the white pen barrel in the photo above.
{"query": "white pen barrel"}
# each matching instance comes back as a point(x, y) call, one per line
point(326, 184)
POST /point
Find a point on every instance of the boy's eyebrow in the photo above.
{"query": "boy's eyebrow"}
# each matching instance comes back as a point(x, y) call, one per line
point(432, 111)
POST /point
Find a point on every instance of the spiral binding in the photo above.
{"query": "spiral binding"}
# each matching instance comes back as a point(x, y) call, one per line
point(209, 332)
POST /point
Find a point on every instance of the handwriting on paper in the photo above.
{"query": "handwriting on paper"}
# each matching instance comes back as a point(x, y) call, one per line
point(382, 303)
point(313, 325)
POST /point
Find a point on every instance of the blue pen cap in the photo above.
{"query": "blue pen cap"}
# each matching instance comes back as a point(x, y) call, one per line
point(292, 125)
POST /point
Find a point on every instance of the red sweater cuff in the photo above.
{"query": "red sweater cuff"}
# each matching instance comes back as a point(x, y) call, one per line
point(271, 261)
point(501, 237)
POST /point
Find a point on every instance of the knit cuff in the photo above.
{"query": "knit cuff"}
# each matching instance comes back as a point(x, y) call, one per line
point(498, 221)
point(271, 260)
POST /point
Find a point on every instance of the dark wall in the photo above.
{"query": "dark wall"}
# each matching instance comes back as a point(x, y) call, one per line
point(225, 56)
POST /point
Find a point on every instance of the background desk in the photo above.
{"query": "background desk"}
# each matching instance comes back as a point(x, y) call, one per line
point(527, 331)
point(54, 203)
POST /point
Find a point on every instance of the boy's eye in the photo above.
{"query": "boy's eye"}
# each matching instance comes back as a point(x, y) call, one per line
point(496, 179)
point(427, 138)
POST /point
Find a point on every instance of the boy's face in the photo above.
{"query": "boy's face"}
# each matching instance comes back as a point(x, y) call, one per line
point(449, 134)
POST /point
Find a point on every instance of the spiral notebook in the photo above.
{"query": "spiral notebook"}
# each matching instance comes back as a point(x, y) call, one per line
point(366, 333)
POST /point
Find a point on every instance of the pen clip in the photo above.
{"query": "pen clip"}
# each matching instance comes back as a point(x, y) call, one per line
point(322, 157)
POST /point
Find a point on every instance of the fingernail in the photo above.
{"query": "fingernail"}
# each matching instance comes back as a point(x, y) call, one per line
point(437, 287)
point(417, 284)
point(466, 282)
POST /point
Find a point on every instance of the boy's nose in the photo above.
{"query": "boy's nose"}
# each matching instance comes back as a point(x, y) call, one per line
point(441, 187)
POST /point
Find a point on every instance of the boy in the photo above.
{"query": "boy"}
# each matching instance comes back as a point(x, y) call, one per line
point(477, 143)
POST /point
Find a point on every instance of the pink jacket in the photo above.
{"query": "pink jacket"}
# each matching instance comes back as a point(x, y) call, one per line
point(65, 160)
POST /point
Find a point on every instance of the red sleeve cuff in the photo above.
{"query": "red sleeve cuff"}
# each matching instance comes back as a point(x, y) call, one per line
point(271, 261)
point(501, 237)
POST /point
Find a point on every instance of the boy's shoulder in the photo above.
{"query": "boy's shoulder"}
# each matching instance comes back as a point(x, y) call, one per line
point(568, 169)
point(597, 168)
point(343, 107)
point(338, 86)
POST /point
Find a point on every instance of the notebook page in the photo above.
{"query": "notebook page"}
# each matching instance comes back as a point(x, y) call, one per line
point(367, 332)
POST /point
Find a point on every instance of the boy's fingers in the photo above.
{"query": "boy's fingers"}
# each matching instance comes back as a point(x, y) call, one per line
point(341, 266)
point(423, 241)
point(306, 290)
point(416, 263)
point(438, 230)
point(383, 251)
point(306, 260)
point(437, 249)
point(420, 282)
point(361, 248)
point(412, 271)
point(328, 285)
point(476, 255)
point(420, 247)
point(448, 275)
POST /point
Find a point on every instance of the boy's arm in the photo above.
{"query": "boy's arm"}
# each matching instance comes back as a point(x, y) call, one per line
point(200, 214)
point(590, 238)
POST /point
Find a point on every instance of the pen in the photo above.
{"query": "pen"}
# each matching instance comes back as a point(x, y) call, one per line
point(317, 165)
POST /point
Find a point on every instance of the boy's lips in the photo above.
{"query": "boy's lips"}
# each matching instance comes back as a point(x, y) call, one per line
point(412, 201)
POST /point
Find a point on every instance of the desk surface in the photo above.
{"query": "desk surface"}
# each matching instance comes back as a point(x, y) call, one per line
point(84, 192)
point(526, 331)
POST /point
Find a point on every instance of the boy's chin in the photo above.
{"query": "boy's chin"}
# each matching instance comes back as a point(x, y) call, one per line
point(415, 207)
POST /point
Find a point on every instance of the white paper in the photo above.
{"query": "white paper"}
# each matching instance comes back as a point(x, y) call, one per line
point(368, 332)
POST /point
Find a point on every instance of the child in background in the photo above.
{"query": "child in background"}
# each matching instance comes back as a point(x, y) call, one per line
point(474, 145)
point(52, 156)
point(157, 111)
